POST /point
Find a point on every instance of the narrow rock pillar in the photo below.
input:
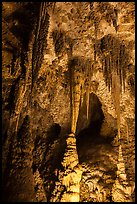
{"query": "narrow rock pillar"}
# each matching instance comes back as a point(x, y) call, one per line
point(72, 173)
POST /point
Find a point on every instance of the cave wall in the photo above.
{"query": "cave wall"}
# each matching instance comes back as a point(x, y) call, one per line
point(70, 33)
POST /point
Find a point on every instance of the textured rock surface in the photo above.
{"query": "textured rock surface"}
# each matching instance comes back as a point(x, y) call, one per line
point(42, 160)
point(19, 174)
point(72, 172)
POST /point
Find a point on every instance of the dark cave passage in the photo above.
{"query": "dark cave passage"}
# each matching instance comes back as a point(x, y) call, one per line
point(53, 133)
point(90, 137)
point(95, 152)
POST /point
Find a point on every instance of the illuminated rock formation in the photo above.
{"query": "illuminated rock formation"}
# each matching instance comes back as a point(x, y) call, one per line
point(68, 101)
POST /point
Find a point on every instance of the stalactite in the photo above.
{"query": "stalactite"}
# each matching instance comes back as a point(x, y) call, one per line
point(77, 87)
point(95, 33)
point(71, 95)
point(87, 101)
point(87, 85)
point(105, 71)
point(39, 21)
point(19, 103)
point(110, 77)
point(82, 94)
point(40, 40)
point(116, 59)
point(75, 92)
point(115, 19)
point(95, 23)
point(118, 65)
point(116, 97)
point(112, 71)
point(108, 70)
point(123, 63)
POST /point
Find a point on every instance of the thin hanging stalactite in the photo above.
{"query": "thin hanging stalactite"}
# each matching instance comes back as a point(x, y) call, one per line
point(95, 34)
point(109, 72)
point(110, 64)
point(82, 94)
point(87, 90)
point(116, 98)
point(87, 100)
point(95, 24)
point(89, 77)
point(105, 71)
point(124, 64)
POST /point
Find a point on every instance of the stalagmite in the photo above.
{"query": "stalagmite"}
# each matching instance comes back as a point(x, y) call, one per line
point(121, 191)
point(72, 172)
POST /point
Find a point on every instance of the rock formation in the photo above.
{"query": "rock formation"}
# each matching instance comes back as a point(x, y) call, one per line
point(68, 97)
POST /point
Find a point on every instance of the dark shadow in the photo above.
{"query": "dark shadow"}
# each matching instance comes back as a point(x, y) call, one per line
point(53, 133)
point(96, 151)
point(90, 136)
point(51, 158)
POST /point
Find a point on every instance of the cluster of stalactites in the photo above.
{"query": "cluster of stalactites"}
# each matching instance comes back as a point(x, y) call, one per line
point(80, 77)
point(115, 92)
point(115, 59)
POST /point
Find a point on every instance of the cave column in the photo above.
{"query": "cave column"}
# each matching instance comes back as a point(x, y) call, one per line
point(72, 171)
